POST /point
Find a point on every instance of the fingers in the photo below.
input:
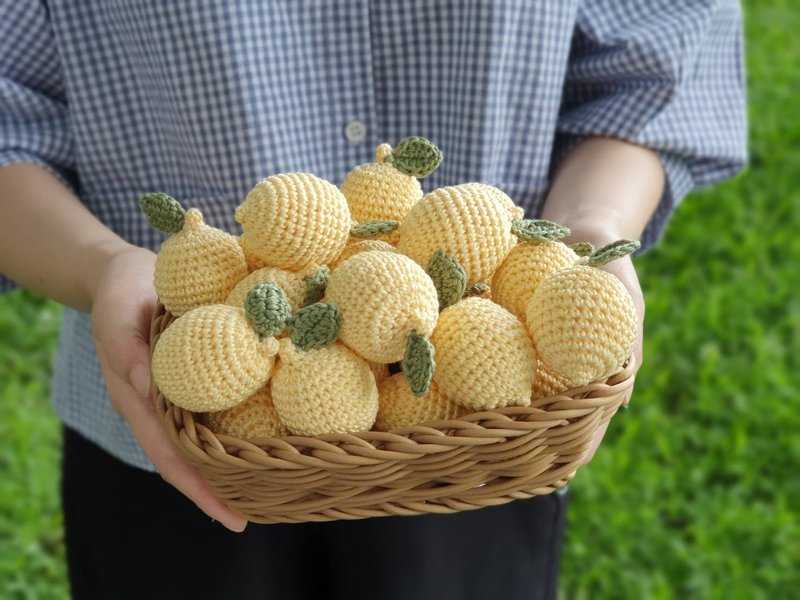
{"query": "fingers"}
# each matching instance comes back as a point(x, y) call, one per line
point(139, 412)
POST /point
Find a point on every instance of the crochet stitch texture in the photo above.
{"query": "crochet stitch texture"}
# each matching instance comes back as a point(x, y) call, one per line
point(399, 407)
point(526, 265)
point(292, 283)
point(470, 222)
point(583, 323)
point(484, 357)
point(294, 220)
point(326, 390)
point(197, 266)
point(211, 359)
point(383, 297)
point(255, 417)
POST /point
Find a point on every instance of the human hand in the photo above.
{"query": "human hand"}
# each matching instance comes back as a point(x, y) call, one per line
point(123, 303)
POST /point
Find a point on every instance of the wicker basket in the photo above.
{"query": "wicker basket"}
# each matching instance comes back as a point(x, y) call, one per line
point(482, 459)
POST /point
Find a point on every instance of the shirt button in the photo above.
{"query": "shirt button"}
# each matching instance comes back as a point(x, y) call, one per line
point(355, 132)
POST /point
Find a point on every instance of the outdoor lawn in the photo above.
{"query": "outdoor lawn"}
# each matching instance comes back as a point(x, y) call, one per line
point(695, 492)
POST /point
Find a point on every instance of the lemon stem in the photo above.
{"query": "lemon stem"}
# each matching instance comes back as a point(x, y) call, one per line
point(268, 309)
point(163, 212)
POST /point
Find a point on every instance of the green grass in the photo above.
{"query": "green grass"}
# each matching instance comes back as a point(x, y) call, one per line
point(695, 492)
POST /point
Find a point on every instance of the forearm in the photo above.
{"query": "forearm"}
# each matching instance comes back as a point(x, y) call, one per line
point(604, 190)
point(49, 242)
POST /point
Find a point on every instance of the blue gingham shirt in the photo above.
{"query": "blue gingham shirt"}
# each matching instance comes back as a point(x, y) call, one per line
point(202, 99)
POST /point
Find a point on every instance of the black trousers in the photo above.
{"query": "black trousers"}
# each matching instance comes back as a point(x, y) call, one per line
point(131, 535)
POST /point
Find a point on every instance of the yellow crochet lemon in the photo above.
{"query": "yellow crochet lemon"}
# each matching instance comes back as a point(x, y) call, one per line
point(361, 246)
point(379, 370)
point(384, 189)
point(470, 222)
point(383, 298)
point(399, 407)
point(484, 357)
point(326, 390)
point(197, 265)
point(583, 320)
point(547, 383)
point(255, 417)
point(211, 359)
point(527, 264)
point(293, 220)
point(299, 286)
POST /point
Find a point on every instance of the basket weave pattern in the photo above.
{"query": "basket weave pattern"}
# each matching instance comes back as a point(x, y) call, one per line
point(481, 459)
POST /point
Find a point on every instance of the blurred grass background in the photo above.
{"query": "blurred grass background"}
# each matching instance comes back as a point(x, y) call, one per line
point(695, 492)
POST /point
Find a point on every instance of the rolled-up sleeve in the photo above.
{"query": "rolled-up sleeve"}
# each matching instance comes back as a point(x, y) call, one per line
point(34, 120)
point(664, 74)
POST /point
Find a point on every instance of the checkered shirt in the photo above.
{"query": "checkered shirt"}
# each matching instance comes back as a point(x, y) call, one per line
point(202, 99)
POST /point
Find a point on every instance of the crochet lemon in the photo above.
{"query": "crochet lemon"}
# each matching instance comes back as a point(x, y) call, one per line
point(255, 417)
point(388, 307)
point(301, 287)
point(583, 320)
point(484, 357)
point(547, 383)
point(215, 357)
point(387, 188)
point(361, 246)
point(399, 407)
point(293, 220)
point(528, 263)
point(197, 265)
point(471, 223)
point(325, 390)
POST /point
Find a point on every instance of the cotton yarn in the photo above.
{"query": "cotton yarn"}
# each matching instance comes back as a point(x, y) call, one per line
point(253, 418)
point(484, 356)
point(197, 266)
point(327, 390)
point(361, 246)
point(293, 220)
point(399, 407)
point(583, 322)
point(470, 222)
point(292, 283)
point(211, 359)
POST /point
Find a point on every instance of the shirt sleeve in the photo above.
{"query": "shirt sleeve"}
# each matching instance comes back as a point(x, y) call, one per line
point(34, 120)
point(665, 74)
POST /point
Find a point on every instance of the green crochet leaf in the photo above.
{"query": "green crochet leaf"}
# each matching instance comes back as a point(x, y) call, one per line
point(163, 212)
point(449, 278)
point(415, 156)
point(583, 248)
point(418, 363)
point(538, 230)
point(268, 309)
point(316, 284)
point(476, 289)
point(613, 251)
point(372, 229)
point(315, 326)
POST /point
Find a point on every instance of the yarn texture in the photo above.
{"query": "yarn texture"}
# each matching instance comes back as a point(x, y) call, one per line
point(399, 407)
point(583, 322)
point(197, 266)
point(292, 283)
point(526, 265)
point(361, 246)
point(469, 222)
point(383, 297)
point(211, 359)
point(255, 417)
point(294, 220)
point(484, 357)
point(547, 383)
point(328, 390)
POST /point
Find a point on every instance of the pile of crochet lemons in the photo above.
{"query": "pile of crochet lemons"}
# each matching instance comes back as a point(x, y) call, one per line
point(376, 306)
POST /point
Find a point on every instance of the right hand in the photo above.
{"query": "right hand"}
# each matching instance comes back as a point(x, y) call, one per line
point(122, 306)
